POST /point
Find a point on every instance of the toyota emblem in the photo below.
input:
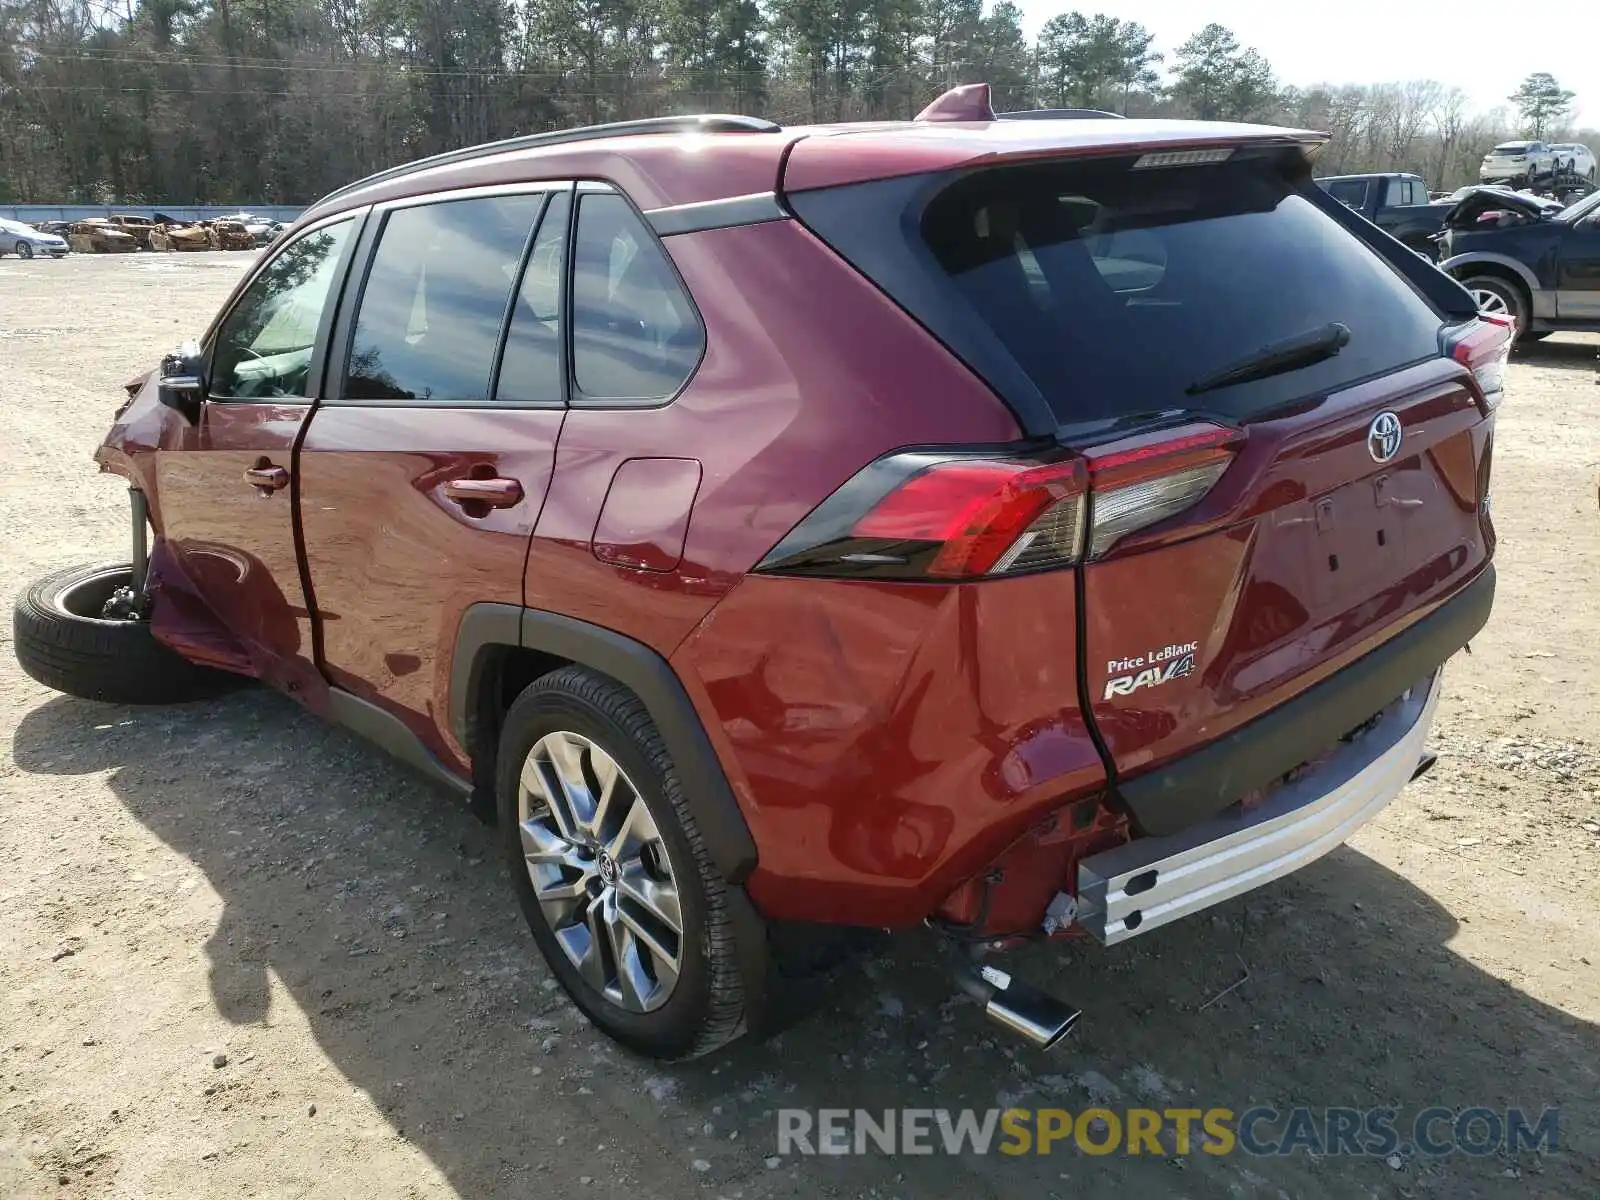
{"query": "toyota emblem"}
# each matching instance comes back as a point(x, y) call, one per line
point(1383, 437)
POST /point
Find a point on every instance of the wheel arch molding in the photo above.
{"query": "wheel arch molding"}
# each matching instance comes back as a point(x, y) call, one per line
point(1462, 265)
point(489, 629)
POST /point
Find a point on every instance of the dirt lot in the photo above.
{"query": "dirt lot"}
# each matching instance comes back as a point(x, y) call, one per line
point(235, 879)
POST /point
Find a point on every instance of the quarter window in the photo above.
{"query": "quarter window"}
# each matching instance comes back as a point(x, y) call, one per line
point(530, 370)
point(435, 299)
point(263, 349)
point(636, 336)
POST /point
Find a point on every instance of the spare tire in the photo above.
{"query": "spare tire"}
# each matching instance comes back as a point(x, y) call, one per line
point(64, 641)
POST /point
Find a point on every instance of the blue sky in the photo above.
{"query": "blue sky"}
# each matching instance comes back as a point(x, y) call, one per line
point(1380, 41)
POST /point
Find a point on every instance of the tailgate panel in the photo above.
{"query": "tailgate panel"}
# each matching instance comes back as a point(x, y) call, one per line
point(1307, 555)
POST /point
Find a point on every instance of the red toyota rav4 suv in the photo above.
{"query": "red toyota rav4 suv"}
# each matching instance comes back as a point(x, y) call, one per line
point(1024, 527)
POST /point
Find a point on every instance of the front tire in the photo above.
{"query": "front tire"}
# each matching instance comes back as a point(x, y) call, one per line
point(65, 641)
point(610, 869)
point(24, 250)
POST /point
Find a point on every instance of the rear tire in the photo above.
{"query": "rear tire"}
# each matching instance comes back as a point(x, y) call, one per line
point(63, 642)
point(605, 872)
point(1493, 294)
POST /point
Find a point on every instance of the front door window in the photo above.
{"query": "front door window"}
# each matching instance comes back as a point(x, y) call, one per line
point(263, 350)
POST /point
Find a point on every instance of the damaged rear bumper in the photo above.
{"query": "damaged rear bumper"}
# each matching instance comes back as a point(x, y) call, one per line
point(1153, 881)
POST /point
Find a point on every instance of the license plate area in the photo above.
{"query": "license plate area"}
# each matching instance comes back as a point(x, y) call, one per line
point(1369, 533)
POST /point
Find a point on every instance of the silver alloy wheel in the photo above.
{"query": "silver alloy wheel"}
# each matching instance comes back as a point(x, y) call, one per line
point(600, 871)
point(1491, 302)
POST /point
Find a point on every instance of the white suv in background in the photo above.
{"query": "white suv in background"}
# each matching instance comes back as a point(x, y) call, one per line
point(1517, 161)
point(1575, 158)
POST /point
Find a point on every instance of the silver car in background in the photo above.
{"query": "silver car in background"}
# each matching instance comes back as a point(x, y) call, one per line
point(25, 241)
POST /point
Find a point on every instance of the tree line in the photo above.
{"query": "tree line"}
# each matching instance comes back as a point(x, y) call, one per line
point(279, 101)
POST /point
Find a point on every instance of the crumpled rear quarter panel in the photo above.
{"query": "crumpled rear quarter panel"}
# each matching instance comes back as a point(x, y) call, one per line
point(888, 740)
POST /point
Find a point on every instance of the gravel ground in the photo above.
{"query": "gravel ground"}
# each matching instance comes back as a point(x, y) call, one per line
point(243, 955)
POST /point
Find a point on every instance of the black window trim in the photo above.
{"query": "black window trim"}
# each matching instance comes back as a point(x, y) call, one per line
point(316, 374)
point(563, 351)
point(343, 337)
point(576, 398)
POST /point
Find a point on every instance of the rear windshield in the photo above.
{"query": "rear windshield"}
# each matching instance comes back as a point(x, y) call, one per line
point(1117, 290)
point(1510, 148)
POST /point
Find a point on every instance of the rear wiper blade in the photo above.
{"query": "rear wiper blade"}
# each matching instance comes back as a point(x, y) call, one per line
point(1292, 353)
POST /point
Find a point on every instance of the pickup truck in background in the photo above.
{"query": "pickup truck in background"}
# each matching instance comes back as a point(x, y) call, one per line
point(1396, 203)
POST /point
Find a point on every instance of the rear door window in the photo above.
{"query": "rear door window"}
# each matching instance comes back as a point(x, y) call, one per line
point(435, 298)
point(1117, 289)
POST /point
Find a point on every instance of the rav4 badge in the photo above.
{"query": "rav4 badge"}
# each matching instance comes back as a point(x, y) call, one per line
point(1164, 665)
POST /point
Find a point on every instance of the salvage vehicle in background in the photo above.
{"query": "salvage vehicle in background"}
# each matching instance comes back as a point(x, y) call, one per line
point(1528, 259)
point(137, 227)
point(1395, 202)
point(232, 235)
point(1518, 163)
point(175, 235)
point(781, 531)
point(25, 241)
point(97, 235)
point(170, 233)
point(259, 228)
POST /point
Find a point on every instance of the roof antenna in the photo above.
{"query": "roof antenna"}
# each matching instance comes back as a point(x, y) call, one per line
point(969, 102)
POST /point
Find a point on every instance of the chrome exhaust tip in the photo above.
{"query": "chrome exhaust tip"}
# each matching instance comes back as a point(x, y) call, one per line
point(1033, 1015)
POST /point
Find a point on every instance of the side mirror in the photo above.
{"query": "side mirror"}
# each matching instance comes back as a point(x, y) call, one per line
point(181, 386)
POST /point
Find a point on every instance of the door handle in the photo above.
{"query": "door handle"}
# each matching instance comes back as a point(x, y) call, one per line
point(267, 478)
point(491, 493)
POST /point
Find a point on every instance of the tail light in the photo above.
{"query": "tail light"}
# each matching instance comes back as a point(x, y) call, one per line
point(970, 514)
point(1484, 348)
point(1141, 480)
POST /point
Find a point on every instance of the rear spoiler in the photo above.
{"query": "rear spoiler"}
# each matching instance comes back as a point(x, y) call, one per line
point(960, 131)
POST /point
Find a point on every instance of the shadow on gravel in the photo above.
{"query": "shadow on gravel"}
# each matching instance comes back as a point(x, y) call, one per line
point(382, 908)
point(1563, 355)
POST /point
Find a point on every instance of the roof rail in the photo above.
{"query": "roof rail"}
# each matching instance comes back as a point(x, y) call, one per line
point(698, 123)
point(1057, 114)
